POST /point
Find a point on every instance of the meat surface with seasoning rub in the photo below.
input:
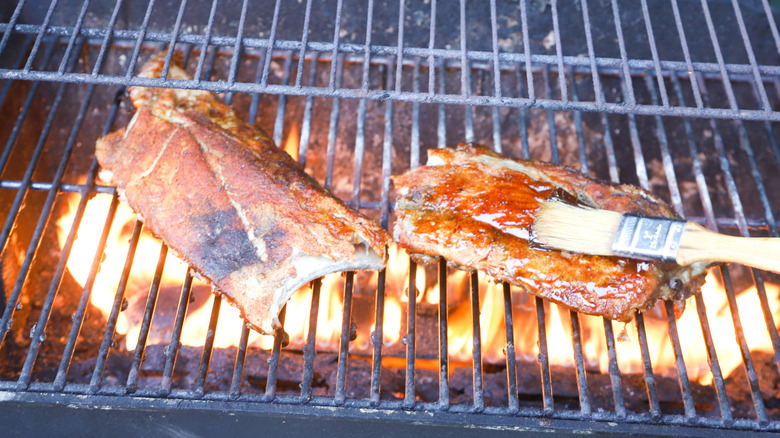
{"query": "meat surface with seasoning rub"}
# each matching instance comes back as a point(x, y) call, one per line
point(230, 203)
point(476, 209)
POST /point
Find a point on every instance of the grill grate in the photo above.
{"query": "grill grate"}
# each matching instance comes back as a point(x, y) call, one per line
point(703, 119)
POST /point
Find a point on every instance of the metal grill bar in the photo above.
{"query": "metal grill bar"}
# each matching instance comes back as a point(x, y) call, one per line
point(304, 43)
point(172, 350)
point(772, 24)
point(39, 38)
point(309, 350)
point(367, 48)
point(206, 41)
point(597, 91)
point(551, 119)
point(303, 146)
point(701, 184)
point(377, 335)
point(333, 126)
point(431, 45)
point(687, 54)
point(335, 53)
point(208, 346)
point(719, 56)
point(174, 37)
point(720, 389)
point(282, 105)
point(237, 48)
point(238, 368)
point(17, 63)
point(770, 219)
point(636, 144)
point(513, 403)
point(139, 41)
point(559, 52)
point(614, 371)
point(400, 50)
point(582, 383)
point(78, 316)
point(441, 132)
point(271, 44)
point(628, 91)
point(242, 87)
point(544, 361)
point(409, 339)
point(682, 373)
point(73, 36)
point(11, 24)
point(666, 156)
point(24, 270)
point(346, 329)
point(497, 128)
point(469, 112)
point(360, 141)
point(739, 212)
point(465, 67)
point(758, 81)
point(495, 62)
point(117, 306)
point(654, 51)
point(525, 148)
point(755, 391)
point(414, 153)
point(583, 151)
point(444, 387)
point(379, 299)
point(770, 134)
point(652, 393)
point(255, 102)
point(613, 65)
point(527, 50)
point(106, 40)
point(280, 337)
point(476, 338)
point(143, 335)
point(12, 141)
point(39, 331)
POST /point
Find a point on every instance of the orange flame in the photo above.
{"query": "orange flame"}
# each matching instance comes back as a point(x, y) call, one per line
point(492, 324)
point(292, 142)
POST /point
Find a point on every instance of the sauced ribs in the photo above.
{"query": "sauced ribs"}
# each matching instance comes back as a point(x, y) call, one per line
point(476, 209)
point(238, 209)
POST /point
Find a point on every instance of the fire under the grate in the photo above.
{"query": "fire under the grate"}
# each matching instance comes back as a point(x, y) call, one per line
point(237, 351)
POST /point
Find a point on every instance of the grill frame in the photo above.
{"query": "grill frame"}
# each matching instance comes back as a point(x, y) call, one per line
point(59, 391)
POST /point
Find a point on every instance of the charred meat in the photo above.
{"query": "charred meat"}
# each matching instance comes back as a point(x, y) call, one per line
point(235, 207)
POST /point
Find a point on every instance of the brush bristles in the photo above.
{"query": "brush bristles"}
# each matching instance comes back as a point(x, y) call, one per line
point(569, 228)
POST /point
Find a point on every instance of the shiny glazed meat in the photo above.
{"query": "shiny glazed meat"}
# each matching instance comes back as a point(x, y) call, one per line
point(238, 209)
point(476, 209)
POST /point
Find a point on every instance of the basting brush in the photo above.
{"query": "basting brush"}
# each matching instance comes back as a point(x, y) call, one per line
point(602, 232)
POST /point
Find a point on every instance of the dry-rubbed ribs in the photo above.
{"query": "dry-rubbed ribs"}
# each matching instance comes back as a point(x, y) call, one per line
point(476, 209)
point(238, 209)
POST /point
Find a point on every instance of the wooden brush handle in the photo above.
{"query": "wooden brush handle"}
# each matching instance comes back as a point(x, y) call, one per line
point(698, 244)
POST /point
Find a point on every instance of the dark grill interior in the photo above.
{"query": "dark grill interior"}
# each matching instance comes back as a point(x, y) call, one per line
point(680, 98)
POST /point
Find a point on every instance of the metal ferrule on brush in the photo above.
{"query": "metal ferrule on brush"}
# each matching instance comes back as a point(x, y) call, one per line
point(651, 238)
